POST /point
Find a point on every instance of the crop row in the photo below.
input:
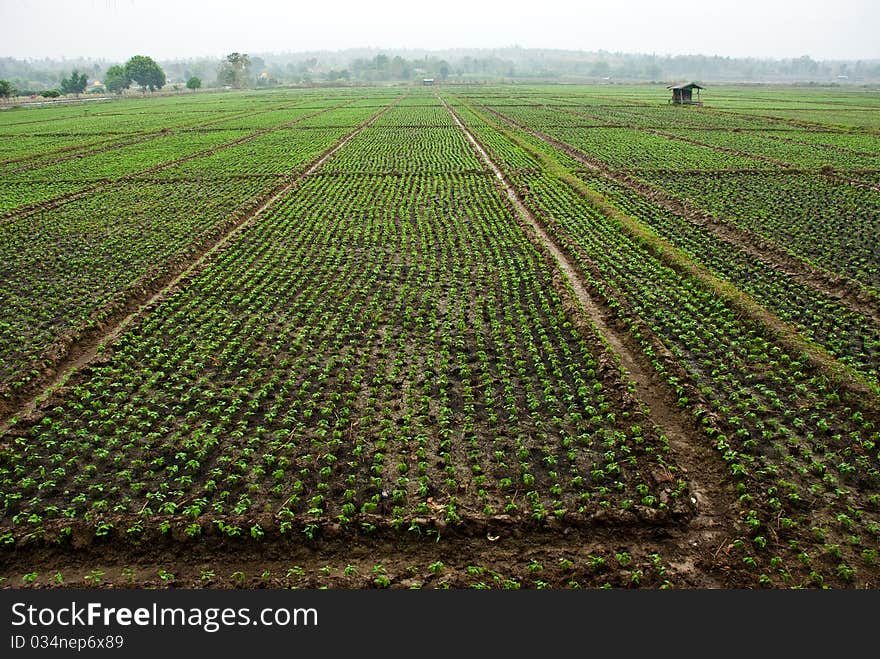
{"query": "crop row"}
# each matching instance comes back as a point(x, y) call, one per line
point(272, 153)
point(628, 148)
point(96, 124)
point(426, 114)
point(538, 116)
point(871, 178)
point(15, 149)
point(830, 223)
point(424, 150)
point(843, 119)
point(505, 152)
point(280, 151)
point(374, 344)
point(861, 143)
point(139, 116)
point(16, 194)
point(548, 112)
point(69, 268)
point(144, 155)
point(850, 336)
point(270, 119)
point(48, 114)
point(667, 117)
point(804, 453)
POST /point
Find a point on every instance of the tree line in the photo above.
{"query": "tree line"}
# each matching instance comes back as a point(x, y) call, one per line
point(241, 70)
point(140, 70)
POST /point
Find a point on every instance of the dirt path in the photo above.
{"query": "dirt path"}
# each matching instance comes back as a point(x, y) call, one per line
point(84, 351)
point(838, 287)
point(707, 477)
point(347, 558)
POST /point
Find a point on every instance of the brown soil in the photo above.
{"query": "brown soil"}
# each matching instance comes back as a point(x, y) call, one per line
point(474, 553)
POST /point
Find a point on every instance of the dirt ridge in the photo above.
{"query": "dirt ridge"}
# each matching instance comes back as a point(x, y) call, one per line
point(713, 496)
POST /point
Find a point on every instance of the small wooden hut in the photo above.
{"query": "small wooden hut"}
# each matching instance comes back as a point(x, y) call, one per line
point(683, 94)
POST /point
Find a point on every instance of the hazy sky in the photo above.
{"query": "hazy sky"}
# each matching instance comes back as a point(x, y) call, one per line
point(116, 29)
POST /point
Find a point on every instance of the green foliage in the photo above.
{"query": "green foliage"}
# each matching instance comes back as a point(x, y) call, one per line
point(389, 348)
point(116, 79)
point(75, 84)
point(235, 70)
point(145, 72)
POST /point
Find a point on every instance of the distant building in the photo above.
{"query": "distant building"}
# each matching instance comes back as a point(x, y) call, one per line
point(683, 94)
point(427, 81)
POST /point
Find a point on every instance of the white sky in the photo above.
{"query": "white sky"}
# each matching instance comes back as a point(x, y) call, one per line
point(117, 29)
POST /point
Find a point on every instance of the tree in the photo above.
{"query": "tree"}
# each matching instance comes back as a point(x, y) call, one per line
point(235, 70)
point(194, 83)
point(75, 84)
point(116, 80)
point(145, 72)
point(6, 89)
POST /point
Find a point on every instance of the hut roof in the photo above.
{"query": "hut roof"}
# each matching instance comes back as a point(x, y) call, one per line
point(690, 85)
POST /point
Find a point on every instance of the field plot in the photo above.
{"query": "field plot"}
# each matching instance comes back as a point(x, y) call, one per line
point(64, 269)
point(14, 149)
point(457, 337)
point(828, 221)
point(73, 266)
